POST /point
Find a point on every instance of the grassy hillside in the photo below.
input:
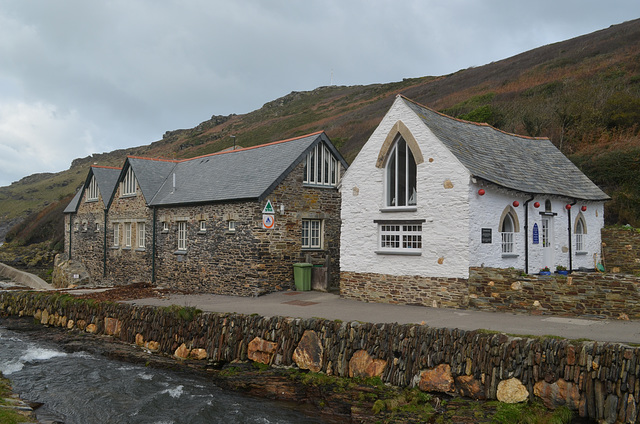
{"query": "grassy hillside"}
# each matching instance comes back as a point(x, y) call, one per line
point(584, 94)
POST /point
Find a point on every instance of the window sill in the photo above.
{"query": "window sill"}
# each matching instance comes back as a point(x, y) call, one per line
point(180, 252)
point(398, 252)
point(230, 232)
point(114, 247)
point(201, 232)
point(90, 200)
point(309, 185)
point(124, 196)
point(126, 248)
point(399, 209)
point(164, 232)
point(510, 255)
point(581, 253)
point(312, 249)
point(141, 249)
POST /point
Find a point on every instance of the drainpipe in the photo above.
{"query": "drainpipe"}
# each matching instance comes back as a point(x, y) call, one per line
point(526, 234)
point(104, 247)
point(569, 232)
point(153, 248)
point(70, 232)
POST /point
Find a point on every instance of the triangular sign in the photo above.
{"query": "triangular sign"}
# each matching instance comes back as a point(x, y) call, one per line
point(268, 208)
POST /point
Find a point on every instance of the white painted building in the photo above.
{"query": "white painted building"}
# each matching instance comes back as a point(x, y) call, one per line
point(429, 195)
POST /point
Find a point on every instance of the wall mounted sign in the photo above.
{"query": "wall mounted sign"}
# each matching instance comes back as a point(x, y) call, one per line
point(536, 234)
point(268, 208)
point(486, 235)
point(268, 221)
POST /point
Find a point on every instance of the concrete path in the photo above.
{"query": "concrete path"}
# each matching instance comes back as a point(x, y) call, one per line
point(330, 306)
point(24, 278)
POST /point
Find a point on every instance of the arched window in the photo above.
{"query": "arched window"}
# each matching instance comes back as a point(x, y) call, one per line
point(580, 231)
point(508, 226)
point(401, 176)
point(547, 205)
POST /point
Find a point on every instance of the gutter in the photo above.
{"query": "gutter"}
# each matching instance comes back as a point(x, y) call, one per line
point(526, 233)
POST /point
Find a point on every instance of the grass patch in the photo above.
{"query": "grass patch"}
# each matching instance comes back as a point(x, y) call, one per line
point(530, 413)
point(185, 313)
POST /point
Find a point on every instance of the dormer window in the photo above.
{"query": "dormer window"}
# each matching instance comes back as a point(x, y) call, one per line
point(129, 183)
point(92, 190)
point(321, 167)
point(401, 176)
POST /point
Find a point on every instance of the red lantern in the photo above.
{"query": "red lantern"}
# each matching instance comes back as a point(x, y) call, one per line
point(516, 203)
point(536, 205)
point(568, 207)
point(584, 209)
point(481, 192)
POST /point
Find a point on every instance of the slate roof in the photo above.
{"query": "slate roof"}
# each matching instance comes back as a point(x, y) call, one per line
point(106, 178)
point(248, 173)
point(531, 165)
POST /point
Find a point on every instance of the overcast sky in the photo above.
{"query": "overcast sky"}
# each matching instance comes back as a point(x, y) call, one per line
point(80, 77)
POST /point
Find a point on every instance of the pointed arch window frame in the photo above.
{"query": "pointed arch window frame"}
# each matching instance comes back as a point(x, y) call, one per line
point(390, 155)
point(580, 231)
point(510, 216)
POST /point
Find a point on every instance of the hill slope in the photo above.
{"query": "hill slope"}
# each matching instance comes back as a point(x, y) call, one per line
point(583, 93)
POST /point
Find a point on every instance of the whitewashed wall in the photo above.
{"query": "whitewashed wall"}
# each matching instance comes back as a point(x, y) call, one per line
point(488, 209)
point(445, 210)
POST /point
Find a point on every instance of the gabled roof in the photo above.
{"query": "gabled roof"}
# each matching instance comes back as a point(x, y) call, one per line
point(72, 207)
point(531, 165)
point(248, 173)
point(106, 178)
point(150, 173)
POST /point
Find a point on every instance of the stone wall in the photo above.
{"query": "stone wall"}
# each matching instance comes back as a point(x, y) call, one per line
point(87, 236)
point(599, 381)
point(621, 250)
point(585, 294)
point(250, 260)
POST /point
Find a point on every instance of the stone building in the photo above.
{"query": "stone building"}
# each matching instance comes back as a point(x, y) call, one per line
point(232, 222)
point(85, 237)
point(430, 197)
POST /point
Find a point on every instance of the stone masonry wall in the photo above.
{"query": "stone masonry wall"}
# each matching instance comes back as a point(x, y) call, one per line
point(586, 294)
point(601, 381)
point(87, 236)
point(250, 260)
point(621, 250)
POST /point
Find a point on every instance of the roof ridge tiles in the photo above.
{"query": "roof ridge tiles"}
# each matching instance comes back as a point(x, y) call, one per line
point(479, 124)
point(106, 167)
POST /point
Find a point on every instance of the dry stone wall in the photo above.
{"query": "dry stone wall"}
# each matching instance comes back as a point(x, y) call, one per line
point(601, 381)
point(621, 250)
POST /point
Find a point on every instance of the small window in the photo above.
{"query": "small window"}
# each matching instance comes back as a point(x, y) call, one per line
point(401, 176)
point(581, 230)
point(76, 227)
point(142, 234)
point(97, 227)
point(165, 226)
point(84, 226)
point(547, 206)
point(182, 235)
point(129, 183)
point(311, 234)
point(321, 167)
point(127, 234)
point(400, 237)
point(203, 226)
point(507, 228)
point(116, 234)
point(92, 190)
point(232, 225)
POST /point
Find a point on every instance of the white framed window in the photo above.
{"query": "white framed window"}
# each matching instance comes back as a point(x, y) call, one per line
point(142, 235)
point(127, 234)
point(232, 225)
point(401, 174)
point(321, 167)
point(507, 229)
point(203, 226)
point(400, 236)
point(165, 226)
point(182, 235)
point(97, 227)
point(85, 225)
point(92, 190)
point(312, 234)
point(76, 227)
point(116, 234)
point(580, 232)
point(128, 186)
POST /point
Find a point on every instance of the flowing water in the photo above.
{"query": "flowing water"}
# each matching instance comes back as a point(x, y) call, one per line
point(83, 388)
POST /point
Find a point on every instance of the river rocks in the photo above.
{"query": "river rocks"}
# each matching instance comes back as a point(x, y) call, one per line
point(91, 328)
point(363, 365)
point(260, 350)
point(182, 352)
point(438, 379)
point(308, 354)
point(470, 387)
point(512, 391)
point(44, 317)
point(112, 327)
point(557, 394)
